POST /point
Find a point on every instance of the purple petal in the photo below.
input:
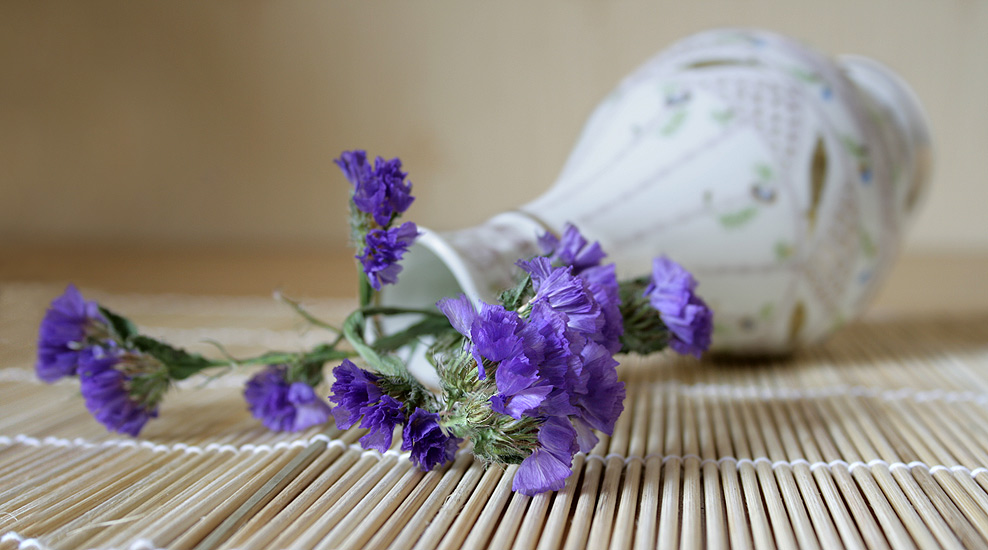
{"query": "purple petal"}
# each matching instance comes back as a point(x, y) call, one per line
point(460, 312)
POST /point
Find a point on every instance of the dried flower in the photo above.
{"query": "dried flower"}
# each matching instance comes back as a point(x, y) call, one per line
point(572, 250)
point(381, 418)
point(68, 328)
point(121, 389)
point(430, 446)
point(353, 390)
point(381, 191)
point(547, 368)
point(284, 405)
point(566, 293)
point(689, 320)
point(358, 396)
point(383, 248)
point(547, 468)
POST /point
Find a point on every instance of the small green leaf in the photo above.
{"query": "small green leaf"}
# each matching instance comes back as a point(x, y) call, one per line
point(512, 298)
point(430, 326)
point(180, 363)
point(353, 329)
point(722, 116)
point(764, 171)
point(675, 122)
point(783, 250)
point(739, 218)
point(122, 328)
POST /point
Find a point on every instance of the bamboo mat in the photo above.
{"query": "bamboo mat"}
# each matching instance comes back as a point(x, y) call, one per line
point(878, 439)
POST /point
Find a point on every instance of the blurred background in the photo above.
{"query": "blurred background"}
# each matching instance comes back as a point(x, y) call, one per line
point(183, 128)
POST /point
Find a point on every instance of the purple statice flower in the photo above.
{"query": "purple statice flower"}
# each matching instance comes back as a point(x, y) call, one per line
point(686, 315)
point(355, 167)
point(105, 389)
point(552, 360)
point(566, 293)
point(381, 191)
point(493, 332)
point(282, 405)
point(536, 385)
point(65, 329)
point(381, 419)
point(599, 401)
point(358, 397)
point(603, 284)
point(430, 446)
point(353, 390)
point(572, 249)
point(547, 468)
point(383, 248)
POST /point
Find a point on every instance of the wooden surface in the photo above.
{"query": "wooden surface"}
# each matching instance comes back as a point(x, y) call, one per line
point(876, 439)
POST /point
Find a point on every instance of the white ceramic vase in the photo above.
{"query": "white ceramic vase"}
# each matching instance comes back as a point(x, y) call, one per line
point(781, 178)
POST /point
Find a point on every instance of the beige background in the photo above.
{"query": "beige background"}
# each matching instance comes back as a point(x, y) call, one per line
point(212, 123)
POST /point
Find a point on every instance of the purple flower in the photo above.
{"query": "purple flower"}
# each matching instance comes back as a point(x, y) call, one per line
point(381, 192)
point(547, 468)
point(493, 332)
point(357, 394)
point(282, 405)
point(571, 250)
point(545, 368)
point(383, 248)
point(430, 446)
point(601, 400)
point(355, 167)
point(565, 293)
point(686, 315)
point(460, 312)
point(603, 284)
point(68, 324)
point(353, 390)
point(105, 389)
point(381, 419)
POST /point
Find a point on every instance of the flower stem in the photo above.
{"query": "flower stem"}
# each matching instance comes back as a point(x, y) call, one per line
point(302, 312)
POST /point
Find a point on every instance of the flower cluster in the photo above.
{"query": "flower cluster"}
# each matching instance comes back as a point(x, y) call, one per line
point(359, 397)
point(70, 326)
point(686, 315)
point(121, 387)
point(115, 394)
point(549, 366)
point(380, 195)
point(529, 380)
point(283, 405)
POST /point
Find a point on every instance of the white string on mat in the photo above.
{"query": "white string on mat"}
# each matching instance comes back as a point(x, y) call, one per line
point(81, 443)
point(35, 544)
point(22, 542)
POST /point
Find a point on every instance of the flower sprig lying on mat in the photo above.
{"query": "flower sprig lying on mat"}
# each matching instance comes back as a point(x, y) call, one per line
point(528, 380)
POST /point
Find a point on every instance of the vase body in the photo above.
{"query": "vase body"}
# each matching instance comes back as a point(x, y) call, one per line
point(781, 178)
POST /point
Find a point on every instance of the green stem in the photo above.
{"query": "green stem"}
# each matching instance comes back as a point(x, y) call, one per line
point(302, 312)
point(390, 310)
point(353, 329)
point(323, 353)
point(365, 291)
